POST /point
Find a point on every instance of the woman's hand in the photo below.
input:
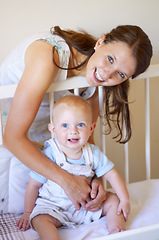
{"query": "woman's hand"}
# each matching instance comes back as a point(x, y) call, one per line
point(98, 195)
point(23, 222)
point(78, 189)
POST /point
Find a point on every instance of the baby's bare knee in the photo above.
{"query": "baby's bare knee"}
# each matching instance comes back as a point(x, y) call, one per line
point(112, 200)
point(37, 221)
point(42, 219)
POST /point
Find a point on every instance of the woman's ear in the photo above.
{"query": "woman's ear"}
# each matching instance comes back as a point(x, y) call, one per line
point(51, 128)
point(99, 41)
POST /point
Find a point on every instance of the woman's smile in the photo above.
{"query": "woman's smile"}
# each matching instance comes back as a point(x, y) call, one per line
point(111, 64)
point(97, 76)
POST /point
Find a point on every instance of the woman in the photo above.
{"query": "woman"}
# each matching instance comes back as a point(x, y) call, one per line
point(110, 61)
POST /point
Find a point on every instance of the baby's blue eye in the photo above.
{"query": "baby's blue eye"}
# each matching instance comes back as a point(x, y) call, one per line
point(121, 75)
point(81, 124)
point(110, 59)
point(65, 125)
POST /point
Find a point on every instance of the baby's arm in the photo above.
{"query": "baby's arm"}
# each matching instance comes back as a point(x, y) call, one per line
point(119, 186)
point(31, 195)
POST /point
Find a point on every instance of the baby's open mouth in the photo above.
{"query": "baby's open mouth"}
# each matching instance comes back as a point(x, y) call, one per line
point(73, 140)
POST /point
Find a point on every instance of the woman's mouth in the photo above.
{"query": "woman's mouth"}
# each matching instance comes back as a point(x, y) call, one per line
point(97, 76)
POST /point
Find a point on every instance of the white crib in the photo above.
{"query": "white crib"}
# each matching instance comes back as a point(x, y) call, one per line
point(143, 222)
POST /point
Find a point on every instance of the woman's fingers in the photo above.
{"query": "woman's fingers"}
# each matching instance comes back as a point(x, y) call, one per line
point(78, 190)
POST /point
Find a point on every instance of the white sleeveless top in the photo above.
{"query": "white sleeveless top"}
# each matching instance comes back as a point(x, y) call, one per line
point(11, 72)
point(12, 68)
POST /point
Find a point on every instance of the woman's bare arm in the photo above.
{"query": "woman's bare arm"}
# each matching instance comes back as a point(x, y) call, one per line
point(38, 75)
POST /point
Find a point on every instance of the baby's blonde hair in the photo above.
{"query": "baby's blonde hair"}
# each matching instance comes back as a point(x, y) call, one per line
point(73, 100)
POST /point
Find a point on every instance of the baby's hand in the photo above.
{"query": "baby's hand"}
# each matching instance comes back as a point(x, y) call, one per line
point(23, 222)
point(124, 207)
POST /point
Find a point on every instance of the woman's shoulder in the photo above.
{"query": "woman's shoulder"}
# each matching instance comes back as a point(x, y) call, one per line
point(42, 49)
point(39, 48)
point(41, 52)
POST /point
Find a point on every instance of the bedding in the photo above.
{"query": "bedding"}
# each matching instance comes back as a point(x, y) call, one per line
point(144, 197)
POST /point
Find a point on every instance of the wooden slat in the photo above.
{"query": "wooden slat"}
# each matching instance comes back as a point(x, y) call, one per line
point(7, 91)
point(147, 129)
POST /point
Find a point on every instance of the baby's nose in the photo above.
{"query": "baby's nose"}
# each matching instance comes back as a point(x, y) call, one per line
point(74, 129)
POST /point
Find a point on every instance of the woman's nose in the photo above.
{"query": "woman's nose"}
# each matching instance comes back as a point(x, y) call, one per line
point(108, 73)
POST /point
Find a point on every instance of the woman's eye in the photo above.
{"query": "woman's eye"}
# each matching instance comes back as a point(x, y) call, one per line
point(81, 124)
point(110, 59)
point(65, 125)
point(122, 75)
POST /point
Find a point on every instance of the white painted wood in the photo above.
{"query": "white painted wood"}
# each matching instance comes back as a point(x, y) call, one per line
point(147, 129)
point(7, 91)
point(152, 71)
point(101, 112)
point(144, 233)
point(76, 91)
point(126, 153)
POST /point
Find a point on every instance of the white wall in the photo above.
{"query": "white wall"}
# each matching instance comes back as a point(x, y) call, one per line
point(20, 19)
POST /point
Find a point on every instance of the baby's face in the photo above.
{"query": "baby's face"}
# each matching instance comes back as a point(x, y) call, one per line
point(72, 125)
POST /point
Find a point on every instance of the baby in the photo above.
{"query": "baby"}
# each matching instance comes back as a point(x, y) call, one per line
point(46, 203)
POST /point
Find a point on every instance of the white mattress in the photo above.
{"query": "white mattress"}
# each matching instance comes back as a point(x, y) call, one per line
point(144, 212)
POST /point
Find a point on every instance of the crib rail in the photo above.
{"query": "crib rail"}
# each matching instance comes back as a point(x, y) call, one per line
point(8, 91)
point(153, 71)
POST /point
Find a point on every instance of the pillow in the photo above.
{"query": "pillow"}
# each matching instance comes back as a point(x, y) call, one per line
point(18, 179)
point(5, 158)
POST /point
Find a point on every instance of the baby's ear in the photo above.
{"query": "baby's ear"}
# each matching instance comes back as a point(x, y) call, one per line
point(93, 126)
point(51, 128)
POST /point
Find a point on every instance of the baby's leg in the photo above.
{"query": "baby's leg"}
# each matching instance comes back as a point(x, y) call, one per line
point(115, 222)
point(46, 226)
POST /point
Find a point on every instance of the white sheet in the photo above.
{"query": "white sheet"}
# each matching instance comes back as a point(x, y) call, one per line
point(144, 197)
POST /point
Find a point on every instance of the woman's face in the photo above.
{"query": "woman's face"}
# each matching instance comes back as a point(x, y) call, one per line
point(111, 64)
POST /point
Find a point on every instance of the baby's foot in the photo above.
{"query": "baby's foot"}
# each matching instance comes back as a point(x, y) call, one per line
point(117, 229)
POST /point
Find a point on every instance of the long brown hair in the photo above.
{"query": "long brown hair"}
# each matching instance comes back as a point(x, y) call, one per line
point(116, 104)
